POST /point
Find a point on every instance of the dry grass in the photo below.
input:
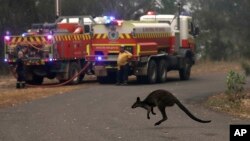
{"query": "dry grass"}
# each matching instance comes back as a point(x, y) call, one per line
point(220, 102)
point(203, 67)
point(10, 96)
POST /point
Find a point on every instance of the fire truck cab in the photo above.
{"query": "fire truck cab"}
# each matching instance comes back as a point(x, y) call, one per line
point(186, 30)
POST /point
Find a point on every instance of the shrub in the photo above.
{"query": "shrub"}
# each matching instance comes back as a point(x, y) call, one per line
point(235, 82)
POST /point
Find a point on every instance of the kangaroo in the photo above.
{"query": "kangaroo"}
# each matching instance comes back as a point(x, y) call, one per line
point(163, 99)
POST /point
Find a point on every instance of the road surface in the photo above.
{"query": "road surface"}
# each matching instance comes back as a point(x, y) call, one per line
point(103, 113)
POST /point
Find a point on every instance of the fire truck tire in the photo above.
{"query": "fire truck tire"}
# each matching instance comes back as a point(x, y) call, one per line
point(152, 72)
point(81, 76)
point(102, 79)
point(111, 78)
point(51, 75)
point(36, 80)
point(73, 70)
point(141, 79)
point(186, 70)
point(162, 71)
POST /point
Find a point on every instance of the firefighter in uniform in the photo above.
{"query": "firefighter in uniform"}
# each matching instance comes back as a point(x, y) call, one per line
point(20, 70)
point(123, 66)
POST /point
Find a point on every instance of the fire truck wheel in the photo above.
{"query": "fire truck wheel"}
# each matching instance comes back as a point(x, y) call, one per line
point(81, 76)
point(73, 70)
point(162, 71)
point(152, 72)
point(111, 78)
point(186, 70)
point(141, 79)
point(102, 79)
point(51, 75)
point(36, 80)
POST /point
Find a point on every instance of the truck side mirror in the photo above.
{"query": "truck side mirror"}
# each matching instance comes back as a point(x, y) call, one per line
point(196, 31)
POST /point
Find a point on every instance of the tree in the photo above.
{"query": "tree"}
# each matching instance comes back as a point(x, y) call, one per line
point(225, 27)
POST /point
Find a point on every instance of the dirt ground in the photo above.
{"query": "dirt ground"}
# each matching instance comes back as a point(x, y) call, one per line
point(10, 96)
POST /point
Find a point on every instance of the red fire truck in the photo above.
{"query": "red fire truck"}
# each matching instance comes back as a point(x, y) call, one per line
point(159, 43)
point(54, 50)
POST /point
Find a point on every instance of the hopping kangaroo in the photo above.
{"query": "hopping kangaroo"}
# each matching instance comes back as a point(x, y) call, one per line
point(163, 99)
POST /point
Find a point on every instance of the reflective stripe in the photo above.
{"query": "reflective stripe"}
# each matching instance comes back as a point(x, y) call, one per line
point(98, 36)
point(88, 49)
point(104, 36)
point(121, 36)
point(127, 36)
point(113, 44)
point(152, 35)
point(138, 49)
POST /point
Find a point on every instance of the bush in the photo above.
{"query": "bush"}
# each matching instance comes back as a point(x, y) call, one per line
point(235, 82)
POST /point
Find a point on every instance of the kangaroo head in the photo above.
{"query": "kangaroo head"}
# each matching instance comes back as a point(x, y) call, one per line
point(138, 103)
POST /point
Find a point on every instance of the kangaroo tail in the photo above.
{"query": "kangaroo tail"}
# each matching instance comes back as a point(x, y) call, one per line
point(182, 107)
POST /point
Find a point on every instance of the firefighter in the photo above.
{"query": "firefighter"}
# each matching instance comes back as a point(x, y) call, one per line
point(20, 71)
point(123, 66)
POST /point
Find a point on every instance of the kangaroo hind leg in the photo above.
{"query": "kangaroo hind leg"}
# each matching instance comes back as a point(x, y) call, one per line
point(164, 116)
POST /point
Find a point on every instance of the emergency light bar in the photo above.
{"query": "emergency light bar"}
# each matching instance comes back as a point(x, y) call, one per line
point(108, 19)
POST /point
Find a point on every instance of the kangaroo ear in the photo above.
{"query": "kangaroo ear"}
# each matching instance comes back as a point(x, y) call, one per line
point(138, 99)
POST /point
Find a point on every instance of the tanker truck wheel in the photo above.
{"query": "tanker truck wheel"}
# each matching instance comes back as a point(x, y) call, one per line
point(162, 71)
point(186, 70)
point(152, 72)
point(140, 79)
point(102, 79)
point(110, 78)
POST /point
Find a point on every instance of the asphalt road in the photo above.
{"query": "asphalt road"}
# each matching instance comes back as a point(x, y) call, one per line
point(103, 113)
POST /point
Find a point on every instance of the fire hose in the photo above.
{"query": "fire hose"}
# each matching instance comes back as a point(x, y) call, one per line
point(60, 84)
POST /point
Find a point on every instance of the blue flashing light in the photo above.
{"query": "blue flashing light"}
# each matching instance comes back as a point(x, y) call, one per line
point(108, 19)
point(99, 58)
point(5, 60)
point(112, 18)
point(50, 59)
point(24, 34)
point(7, 32)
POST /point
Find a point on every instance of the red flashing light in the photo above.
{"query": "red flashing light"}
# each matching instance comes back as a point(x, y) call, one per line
point(151, 13)
point(119, 22)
